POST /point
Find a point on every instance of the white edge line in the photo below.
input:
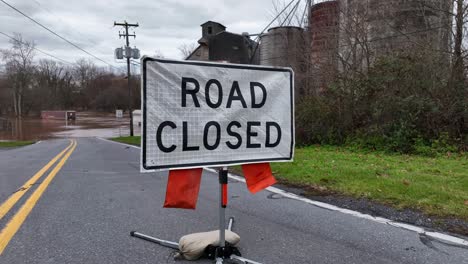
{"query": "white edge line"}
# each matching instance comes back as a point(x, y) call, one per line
point(120, 143)
point(127, 145)
point(419, 230)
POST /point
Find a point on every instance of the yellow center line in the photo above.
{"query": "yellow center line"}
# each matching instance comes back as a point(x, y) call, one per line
point(15, 223)
point(11, 201)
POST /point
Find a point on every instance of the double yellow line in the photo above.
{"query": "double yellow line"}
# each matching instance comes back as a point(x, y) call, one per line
point(15, 223)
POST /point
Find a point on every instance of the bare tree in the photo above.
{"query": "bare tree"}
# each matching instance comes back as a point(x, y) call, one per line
point(54, 85)
point(85, 73)
point(19, 70)
point(289, 14)
point(187, 49)
point(458, 77)
point(457, 16)
point(461, 14)
point(5, 97)
point(354, 51)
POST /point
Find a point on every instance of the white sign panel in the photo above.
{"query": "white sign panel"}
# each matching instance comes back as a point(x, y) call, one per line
point(119, 113)
point(198, 114)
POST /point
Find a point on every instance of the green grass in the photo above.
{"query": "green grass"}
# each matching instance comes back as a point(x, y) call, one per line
point(12, 144)
point(435, 185)
point(128, 140)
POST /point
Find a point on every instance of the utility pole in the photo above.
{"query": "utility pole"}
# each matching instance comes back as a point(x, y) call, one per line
point(128, 55)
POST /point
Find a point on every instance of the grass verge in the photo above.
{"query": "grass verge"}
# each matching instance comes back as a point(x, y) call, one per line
point(128, 140)
point(434, 185)
point(12, 144)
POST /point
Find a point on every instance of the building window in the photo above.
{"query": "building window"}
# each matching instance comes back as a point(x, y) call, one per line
point(210, 30)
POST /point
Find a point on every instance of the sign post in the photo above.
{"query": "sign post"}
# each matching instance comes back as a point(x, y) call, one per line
point(199, 114)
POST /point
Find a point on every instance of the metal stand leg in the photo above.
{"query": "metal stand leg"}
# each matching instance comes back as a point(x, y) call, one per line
point(164, 243)
point(231, 223)
point(223, 204)
point(220, 253)
point(223, 180)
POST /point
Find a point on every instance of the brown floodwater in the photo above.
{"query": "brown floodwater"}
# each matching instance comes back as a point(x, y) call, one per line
point(87, 124)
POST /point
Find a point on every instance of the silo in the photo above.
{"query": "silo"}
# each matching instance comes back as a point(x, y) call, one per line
point(399, 25)
point(324, 31)
point(323, 26)
point(281, 46)
point(284, 46)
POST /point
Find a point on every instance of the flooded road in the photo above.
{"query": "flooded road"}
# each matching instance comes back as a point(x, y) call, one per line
point(87, 124)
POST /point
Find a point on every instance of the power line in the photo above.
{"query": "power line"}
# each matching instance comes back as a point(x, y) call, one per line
point(59, 36)
point(41, 51)
point(272, 21)
point(133, 62)
point(290, 13)
point(306, 8)
point(45, 53)
point(269, 24)
point(57, 17)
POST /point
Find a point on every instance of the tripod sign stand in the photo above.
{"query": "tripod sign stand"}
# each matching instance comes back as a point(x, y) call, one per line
point(223, 251)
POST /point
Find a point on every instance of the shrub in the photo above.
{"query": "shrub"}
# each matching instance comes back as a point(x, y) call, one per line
point(402, 104)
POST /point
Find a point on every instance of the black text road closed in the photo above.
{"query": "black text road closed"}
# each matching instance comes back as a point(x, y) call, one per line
point(198, 114)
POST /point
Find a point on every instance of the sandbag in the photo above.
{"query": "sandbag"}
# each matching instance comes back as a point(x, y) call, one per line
point(192, 246)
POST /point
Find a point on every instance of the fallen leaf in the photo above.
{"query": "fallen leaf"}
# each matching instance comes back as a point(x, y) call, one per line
point(466, 202)
point(406, 182)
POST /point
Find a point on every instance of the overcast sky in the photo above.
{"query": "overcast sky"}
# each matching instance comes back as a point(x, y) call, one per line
point(164, 24)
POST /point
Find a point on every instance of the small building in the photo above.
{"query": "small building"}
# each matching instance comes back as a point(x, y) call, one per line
point(136, 114)
point(59, 114)
point(217, 44)
point(119, 113)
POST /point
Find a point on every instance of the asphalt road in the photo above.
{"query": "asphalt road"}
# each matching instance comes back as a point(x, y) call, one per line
point(87, 211)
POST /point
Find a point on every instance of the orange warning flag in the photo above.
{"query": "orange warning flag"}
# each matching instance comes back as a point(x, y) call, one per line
point(182, 188)
point(258, 176)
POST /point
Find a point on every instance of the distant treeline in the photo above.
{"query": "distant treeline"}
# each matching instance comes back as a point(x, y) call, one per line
point(408, 102)
point(28, 86)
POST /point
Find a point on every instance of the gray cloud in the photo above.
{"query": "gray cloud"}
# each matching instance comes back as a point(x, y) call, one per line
point(164, 24)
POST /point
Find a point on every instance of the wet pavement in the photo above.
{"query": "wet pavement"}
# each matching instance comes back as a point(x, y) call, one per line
point(99, 195)
point(87, 124)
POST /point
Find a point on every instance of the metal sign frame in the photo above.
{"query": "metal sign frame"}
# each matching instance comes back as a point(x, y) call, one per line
point(148, 168)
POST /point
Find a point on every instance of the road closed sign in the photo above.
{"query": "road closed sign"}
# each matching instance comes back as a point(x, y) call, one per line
point(199, 114)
